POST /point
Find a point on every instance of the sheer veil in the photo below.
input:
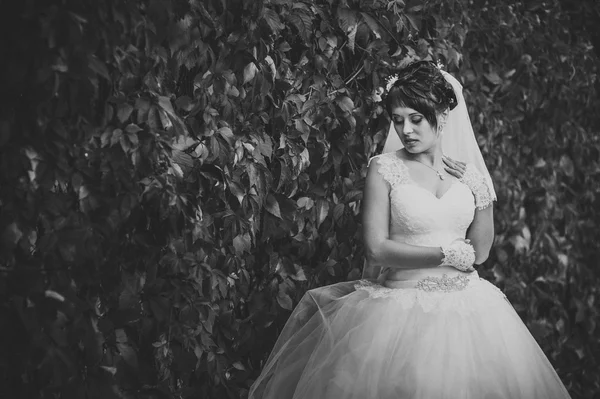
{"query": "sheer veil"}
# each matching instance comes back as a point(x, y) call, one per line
point(458, 140)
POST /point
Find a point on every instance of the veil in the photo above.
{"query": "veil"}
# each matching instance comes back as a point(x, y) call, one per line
point(458, 140)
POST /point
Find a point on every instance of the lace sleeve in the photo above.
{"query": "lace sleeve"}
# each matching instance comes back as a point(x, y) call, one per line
point(476, 182)
point(392, 170)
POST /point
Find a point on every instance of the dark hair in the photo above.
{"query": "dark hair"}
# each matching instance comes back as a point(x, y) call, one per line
point(422, 87)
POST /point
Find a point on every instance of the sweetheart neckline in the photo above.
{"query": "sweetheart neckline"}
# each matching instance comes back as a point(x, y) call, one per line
point(412, 181)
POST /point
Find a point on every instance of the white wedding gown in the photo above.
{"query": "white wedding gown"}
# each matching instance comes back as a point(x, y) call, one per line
point(442, 334)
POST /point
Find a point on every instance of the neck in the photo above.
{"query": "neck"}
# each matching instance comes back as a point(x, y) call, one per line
point(431, 157)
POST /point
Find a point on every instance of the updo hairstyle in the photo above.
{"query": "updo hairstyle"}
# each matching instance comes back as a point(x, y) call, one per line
point(422, 87)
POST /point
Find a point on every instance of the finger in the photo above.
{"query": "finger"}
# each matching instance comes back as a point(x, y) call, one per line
point(454, 172)
point(448, 160)
point(451, 161)
point(460, 166)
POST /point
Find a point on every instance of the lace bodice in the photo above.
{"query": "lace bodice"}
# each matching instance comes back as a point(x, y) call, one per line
point(417, 216)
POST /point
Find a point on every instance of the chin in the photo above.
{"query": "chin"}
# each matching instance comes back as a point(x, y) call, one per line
point(414, 149)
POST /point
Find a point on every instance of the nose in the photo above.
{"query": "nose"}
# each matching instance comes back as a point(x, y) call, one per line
point(407, 128)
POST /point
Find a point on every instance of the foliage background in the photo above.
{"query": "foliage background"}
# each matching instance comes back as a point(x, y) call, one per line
point(175, 174)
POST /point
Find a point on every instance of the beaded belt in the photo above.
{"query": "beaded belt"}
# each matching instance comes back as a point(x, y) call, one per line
point(432, 284)
point(444, 283)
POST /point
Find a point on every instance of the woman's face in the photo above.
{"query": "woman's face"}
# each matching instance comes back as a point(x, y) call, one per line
point(415, 132)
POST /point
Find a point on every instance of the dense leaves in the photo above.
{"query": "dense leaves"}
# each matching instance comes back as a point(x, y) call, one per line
point(175, 174)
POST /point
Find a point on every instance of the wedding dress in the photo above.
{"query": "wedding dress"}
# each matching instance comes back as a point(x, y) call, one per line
point(439, 334)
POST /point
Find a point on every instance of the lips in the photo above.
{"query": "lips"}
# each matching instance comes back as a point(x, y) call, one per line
point(409, 141)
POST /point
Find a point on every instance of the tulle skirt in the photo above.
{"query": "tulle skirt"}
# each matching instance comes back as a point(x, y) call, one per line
point(425, 340)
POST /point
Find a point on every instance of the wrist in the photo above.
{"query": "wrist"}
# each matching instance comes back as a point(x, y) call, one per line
point(458, 254)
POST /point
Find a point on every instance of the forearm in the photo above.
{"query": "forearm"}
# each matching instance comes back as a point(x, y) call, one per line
point(398, 255)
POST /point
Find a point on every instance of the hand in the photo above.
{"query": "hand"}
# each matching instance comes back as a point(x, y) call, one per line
point(468, 175)
point(454, 168)
point(459, 254)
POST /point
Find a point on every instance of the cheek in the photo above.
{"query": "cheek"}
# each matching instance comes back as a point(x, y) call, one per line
point(429, 134)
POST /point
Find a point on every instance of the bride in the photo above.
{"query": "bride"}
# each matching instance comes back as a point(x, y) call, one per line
point(428, 327)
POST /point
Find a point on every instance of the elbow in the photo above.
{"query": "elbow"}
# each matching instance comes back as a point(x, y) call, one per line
point(371, 258)
point(481, 256)
point(373, 255)
point(483, 246)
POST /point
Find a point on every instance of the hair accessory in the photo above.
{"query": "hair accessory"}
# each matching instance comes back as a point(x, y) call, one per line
point(390, 82)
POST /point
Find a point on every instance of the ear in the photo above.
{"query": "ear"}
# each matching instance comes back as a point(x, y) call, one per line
point(442, 118)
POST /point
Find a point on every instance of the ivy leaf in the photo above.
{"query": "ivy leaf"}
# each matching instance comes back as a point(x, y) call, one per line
point(338, 212)
point(125, 349)
point(345, 103)
point(305, 202)
point(372, 24)
point(250, 72)
point(265, 146)
point(185, 103)
point(566, 165)
point(165, 103)
point(123, 112)
point(284, 47)
point(299, 275)
point(352, 36)
point(272, 206)
point(347, 19)
point(322, 211)
point(98, 66)
point(284, 300)
point(12, 234)
point(242, 244)
point(303, 128)
point(272, 19)
point(303, 22)
point(132, 128)
point(227, 134)
point(493, 78)
point(116, 136)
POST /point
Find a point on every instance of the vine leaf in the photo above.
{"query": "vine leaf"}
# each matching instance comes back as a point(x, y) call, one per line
point(303, 22)
point(372, 24)
point(272, 19)
point(272, 206)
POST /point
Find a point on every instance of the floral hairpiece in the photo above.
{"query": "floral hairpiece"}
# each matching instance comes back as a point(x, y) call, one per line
point(390, 82)
point(393, 79)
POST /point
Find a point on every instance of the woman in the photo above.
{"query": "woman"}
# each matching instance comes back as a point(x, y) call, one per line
point(429, 327)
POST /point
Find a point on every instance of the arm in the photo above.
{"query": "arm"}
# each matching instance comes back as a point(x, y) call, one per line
point(380, 250)
point(481, 233)
point(481, 230)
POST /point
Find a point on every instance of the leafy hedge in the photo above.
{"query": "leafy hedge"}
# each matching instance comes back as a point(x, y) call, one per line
point(175, 174)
